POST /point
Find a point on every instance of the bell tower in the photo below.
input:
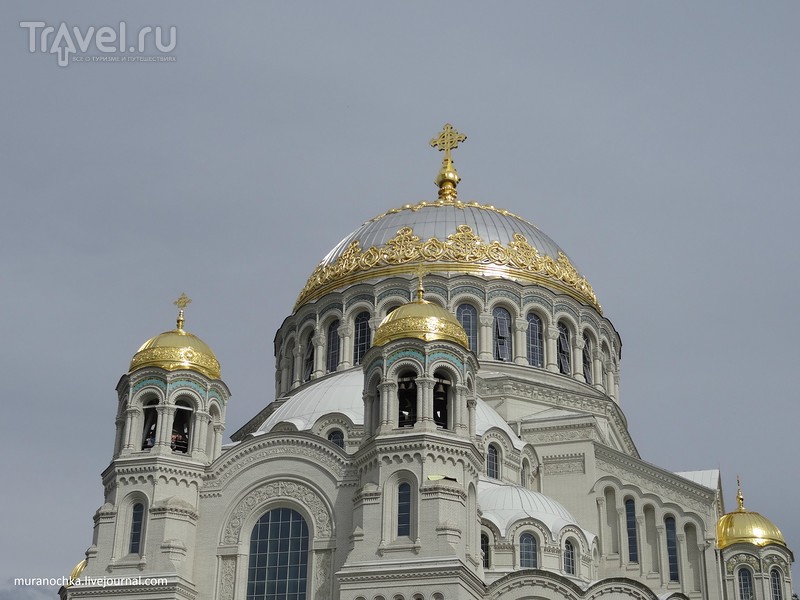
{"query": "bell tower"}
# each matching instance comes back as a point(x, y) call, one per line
point(169, 426)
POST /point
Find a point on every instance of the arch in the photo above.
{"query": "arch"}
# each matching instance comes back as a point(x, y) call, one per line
point(564, 349)
point(278, 563)
point(486, 551)
point(132, 524)
point(525, 474)
point(443, 399)
point(182, 426)
point(630, 526)
point(308, 356)
point(693, 576)
point(776, 584)
point(407, 399)
point(332, 346)
point(150, 423)
point(362, 336)
point(611, 521)
point(570, 558)
point(534, 338)
point(336, 436)
point(467, 315)
point(672, 547)
point(137, 525)
point(502, 334)
point(587, 360)
point(401, 505)
point(744, 578)
point(493, 461)
point(528, 551)
point(651, 539)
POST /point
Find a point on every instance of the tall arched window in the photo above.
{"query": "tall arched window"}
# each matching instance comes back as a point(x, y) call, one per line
point(404, 510)
point(407, 399)
point(337, 437)
point(278, 565)
point(363, 337)
point(150, 425)
point(630, 523)
point(569, 558)
point(587, 360)
point(332, 356)
point(137, 524)
point(502, 334)
point(527, 551)
point(776, 584)
point(745, 584)
point(182, 427)
point(492, 462)
point(308, 357)
point(525, 474)
point(563, 351)
point(672, 548)
point(467, 315)
point(535, 340)
point(485, 550)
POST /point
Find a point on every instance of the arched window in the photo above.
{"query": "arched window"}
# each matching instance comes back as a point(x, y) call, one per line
point(563, 351)
point(485, 550)
point(150, 425)
point(278, 565)
point(407, 399)
point(308, 358)
point(527, 551)
point(441, 401)
point(467, 315)
point(332, 358)
point(630, 523)
point(181, 427)
point(776, 584)
point(745, 584)
point(492, 462)
point(587, 360)
point(137, 523)
point(535, 339)
point(502, 334)
point(525, 474)
point(404, 510)
point(337, 437)
point(363, 337)
point(569, 558)
point(672, 548)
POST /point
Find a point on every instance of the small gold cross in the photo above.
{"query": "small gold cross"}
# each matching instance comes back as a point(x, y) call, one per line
point(448, 140)
point(183, 301)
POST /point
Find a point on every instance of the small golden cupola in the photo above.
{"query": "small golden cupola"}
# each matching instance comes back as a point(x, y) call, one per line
point(422, 320)
point(746, 527)
point(177, 349)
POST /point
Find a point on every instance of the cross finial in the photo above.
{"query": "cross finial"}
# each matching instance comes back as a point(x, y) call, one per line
point(739, 497)
point(182, 303)
point(447, 179)
point(421, 272)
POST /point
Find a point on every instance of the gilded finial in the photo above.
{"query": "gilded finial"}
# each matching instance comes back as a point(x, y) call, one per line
point(739, 497)
point(182, 303)
point(447, 179)
point(421, 272)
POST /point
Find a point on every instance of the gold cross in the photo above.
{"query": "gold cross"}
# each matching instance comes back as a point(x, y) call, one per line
point(421, 271)
point(183, 301)
point(448, 140)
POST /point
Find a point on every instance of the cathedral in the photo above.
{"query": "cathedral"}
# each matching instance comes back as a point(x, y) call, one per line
point(447, 425)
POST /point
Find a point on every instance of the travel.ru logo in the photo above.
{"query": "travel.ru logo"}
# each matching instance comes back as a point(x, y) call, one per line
point(65, 41)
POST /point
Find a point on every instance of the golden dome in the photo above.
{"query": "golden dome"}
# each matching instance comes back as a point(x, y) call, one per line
point(745, 527)
point(420, 320)
point(177, 349)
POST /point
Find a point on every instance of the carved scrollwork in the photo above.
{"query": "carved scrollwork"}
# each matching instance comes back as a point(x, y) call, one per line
point(291, 490)
point(463, 247)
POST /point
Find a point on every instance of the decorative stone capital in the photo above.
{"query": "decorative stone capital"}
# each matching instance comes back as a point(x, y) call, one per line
point(486, 319)
point(521, 324)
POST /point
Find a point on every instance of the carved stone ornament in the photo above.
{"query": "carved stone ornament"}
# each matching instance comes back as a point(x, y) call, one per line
point(464, 247)
point(740, 559)
point(227, 577)
point(278, 490)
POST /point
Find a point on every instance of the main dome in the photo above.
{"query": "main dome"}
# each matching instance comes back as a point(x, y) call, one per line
point(447, 235)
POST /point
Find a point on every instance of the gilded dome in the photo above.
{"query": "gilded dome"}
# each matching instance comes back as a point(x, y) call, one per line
point(745, 527)
point(177, 349)
point(421, 320)
point(447, 235)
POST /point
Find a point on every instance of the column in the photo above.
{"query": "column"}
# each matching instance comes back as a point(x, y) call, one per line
point(425, 404)
point(388, 406)
point(597, 370)
point(577, 358)
point(345, 346)
point(166, 415)
point(297, 358)
point(318, 339)
point(551, 355)
point(131, 434)
point(520, 341)
point(485, 337)
point(461, 417)
point(471, 409)
point(199, 433)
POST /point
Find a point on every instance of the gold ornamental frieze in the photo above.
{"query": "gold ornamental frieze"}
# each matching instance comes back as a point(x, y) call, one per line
point(462, 251)
point(172, 359)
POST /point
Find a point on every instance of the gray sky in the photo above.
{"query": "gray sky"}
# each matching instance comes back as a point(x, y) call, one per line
point(658, 143)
